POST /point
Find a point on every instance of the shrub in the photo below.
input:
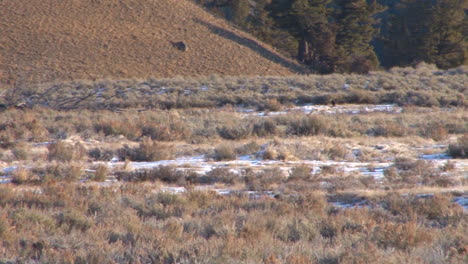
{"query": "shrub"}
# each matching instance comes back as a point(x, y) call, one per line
point(101, 173)
point(100, 154)
point(62, 151)
point(74, 220)
point(270, 154)
point(162, 173)
point(69, 172)
point(127, 239)
point(234, 132)
point(412, 172)
point(448, 166)
point(264, 128)
point(175, 130)
point(21, 151)
point(438, 207)
point(116, 127)
point(22, 176)
point(421, 99)
point(401, 236)
point(148, 150)
point(302, 172)
point(391, 175)
point(224, 152)
point(388, 129)
point(436, 131)
point(460, 149)
point(4, 227)
point(307, 126)
point(263, 180)
point(6, 194)
point(361, 97)
point(248, 148)
point(224, 175)
point(271, 105)
point(336, 152)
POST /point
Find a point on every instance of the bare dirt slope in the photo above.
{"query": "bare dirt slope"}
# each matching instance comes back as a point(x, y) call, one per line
point(48, 40)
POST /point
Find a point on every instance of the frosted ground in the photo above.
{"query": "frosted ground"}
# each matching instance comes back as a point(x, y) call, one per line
point(349, 167)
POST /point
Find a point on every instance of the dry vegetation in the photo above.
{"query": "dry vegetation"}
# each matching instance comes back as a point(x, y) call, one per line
point(131, 224)
point(78, 195)
point(49, 40)
point(424, 86)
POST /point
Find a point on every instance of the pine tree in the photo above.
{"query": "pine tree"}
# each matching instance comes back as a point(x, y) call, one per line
point(447, 37)
point(429, 31)
point(240, 11)
point(316, 44)
point(356, 30)
point(409, 37)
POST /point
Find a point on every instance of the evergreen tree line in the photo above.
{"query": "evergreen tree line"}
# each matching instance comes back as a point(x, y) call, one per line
point(356, 35)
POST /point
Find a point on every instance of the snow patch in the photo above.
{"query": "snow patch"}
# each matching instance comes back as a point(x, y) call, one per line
point(462, 201)
point(325, 109)
point(440, 156)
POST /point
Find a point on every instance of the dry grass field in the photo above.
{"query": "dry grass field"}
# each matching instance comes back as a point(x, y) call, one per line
point(237, 170)
point(149, 131)
point(50, 40)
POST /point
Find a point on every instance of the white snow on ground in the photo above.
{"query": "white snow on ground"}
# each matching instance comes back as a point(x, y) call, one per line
point(462, 201)
point(41, 144)
point(250, 194)
point(201, 165)
point(431, 147)
point(349, 205)
point(9, 170)
point(440, 156)
point(441, 159)
point(5, 179)
point(325, 109)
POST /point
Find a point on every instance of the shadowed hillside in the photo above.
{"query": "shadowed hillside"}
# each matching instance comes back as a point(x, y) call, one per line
point(47, 40)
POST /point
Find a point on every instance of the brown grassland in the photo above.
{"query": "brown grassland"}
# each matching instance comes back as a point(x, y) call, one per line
point(72, 191)
point(48, 40)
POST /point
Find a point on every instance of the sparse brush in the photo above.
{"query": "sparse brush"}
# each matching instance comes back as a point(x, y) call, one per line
point(249, 148)
point(148, 150)
point(460, 149)
point(402, 236)
point(224, 152)
point(448, 166)
point(270, 154)
point(61, 172)
point(264, 128)
point(302, 172)
point(162, 173)
point(271, 105)
point(73, 219)
point(264, 180)
point(21, 151)
point(116, 127)
point(234, 132)
point(63, 151)
point(307, 126)
point(222, 175)
point(4, 227)
point(175, 130)
point(260, 226)
point(101, 173)
point(436, 131)
point(23, 176)
point(336, 152)
point(101, 154)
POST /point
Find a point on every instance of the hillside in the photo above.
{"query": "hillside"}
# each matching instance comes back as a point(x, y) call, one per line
point(48, 40)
